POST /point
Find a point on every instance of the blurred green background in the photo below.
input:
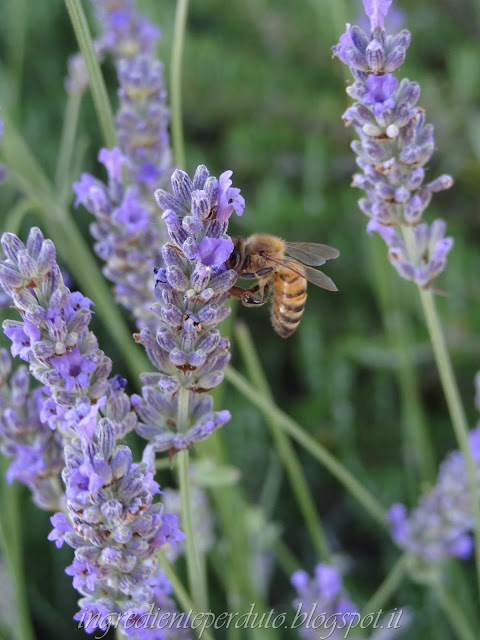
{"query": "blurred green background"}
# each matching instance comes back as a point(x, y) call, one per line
point(263, 97)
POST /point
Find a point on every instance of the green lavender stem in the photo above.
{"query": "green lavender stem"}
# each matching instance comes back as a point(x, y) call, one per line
point(455, 407)
point(366, 499)
point(284, 447)
point(96, 82)
point(389, 586)
point(180, 593)
point(15, 32)
point(176, 82)
point(67, 141)
point(454, 613)
point(10, 541)
point(452, 396)
point(195, 568)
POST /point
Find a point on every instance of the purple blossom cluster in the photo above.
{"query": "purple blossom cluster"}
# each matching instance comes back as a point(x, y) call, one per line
point(395, 143)
point(128, 238)
point(126, 34)
point(441, 525)
point(113, 523)
point(191, 293)
point(324, 593)
point(128, 230)
point(53, 335)
point(326, 611)
point(36, 450)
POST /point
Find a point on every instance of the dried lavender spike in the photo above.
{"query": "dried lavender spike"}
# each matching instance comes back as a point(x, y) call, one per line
point(394, 145)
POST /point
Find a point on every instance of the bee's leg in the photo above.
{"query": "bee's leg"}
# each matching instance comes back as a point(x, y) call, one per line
point(250, 300)
point(236, 292)
point(257, 274)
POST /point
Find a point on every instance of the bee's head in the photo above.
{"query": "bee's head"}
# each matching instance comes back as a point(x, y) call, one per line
point(236, 257)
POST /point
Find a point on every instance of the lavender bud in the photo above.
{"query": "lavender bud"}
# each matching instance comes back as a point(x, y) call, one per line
point(375, 56)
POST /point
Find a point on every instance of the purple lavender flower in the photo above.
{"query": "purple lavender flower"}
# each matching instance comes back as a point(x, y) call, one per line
point(441, 525)
point(36, 450)
point(428, 255)
point(126, 34)
point(113, 523)
point(53, 336)
point(326, 610)
point(394, 144)
point(128, 230)
point(114, 526)
point(190, 293)
point(380, 92)
point(376, 10)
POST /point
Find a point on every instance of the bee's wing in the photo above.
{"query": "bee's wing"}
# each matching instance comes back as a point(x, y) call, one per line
point(312, 275)
point(311, 253)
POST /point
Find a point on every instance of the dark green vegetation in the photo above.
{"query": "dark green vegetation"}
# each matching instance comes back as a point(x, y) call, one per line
point(263, 97)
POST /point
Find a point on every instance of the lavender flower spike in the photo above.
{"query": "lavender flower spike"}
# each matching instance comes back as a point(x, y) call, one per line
point(114, 527)
point(395, 143)
point(128, 230)
point(35, 449)
point(441, 525)
point(325, 610)
point(191, 295)
point(113, 523)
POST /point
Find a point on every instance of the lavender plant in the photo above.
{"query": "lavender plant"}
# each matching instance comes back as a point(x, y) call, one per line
point(128, 230)
point(80, 416)
point(324, 609)
point(191, 294)
point(36, 450)
point(110, 520)
point(441, 525)
point(395, 143)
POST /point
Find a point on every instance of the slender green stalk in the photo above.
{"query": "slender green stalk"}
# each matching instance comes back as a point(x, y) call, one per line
point(454, 402)
point(364, 497)
point(454, 613)
point(95, 77)
point(176, 82)
point(231, 507)
point(284, 447)
point(14, 218)
point(196, 577)
point(285, 558)
point(271, 485)
point(181, 595)
point(388, 587)
point(67, 141)
point(10, 541)
point(15, 33)
point(455, 407)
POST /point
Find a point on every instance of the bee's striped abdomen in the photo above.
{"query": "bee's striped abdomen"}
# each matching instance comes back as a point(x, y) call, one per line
point(289, 298)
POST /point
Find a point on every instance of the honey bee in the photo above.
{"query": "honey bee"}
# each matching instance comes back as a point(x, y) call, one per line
point(263, 257)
